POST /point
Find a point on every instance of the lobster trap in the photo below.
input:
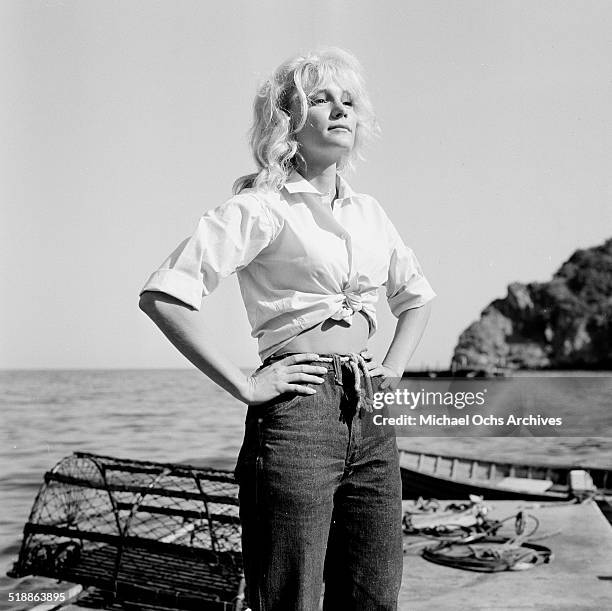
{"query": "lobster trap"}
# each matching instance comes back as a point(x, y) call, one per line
point(140, 532)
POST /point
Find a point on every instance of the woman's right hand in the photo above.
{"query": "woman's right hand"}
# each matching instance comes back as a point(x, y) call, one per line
point(285, 375)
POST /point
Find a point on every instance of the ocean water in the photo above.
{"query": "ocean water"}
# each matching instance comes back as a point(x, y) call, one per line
point(172, 416)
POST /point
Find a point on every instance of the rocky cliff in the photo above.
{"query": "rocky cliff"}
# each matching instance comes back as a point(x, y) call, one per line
point(561, 324)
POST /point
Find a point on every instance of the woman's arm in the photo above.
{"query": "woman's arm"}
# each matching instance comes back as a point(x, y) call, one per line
point(185, 328)
point(408, 332)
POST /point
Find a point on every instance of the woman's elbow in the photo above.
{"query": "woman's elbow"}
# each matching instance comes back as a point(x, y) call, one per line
point(157, 305)
point(148, 303)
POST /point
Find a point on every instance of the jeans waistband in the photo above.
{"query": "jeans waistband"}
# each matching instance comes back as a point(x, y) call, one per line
point(325, 358)
point(355, 362)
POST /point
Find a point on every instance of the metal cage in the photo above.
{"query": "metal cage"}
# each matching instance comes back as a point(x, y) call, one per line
point(163, 534)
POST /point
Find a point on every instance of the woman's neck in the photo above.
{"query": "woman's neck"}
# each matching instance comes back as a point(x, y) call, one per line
point(322, 179)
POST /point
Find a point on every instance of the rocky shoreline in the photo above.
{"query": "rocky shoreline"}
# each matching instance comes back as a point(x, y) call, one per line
point(565, 323)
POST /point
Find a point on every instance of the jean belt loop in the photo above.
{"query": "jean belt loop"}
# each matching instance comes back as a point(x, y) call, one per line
point(337, 363)
point(354, 365)
point(369, 398)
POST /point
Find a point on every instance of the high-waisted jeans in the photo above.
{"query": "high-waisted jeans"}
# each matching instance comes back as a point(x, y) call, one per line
point(320, 499)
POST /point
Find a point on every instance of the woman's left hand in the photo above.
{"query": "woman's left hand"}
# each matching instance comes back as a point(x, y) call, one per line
point(392, 378)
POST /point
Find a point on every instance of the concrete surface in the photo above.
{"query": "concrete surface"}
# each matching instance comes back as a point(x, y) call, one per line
point(579, 576)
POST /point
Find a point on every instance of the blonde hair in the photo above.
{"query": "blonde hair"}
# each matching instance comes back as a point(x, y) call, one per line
point(280, 110)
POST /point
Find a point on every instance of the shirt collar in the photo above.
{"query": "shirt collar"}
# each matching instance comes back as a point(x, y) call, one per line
point(296, 183)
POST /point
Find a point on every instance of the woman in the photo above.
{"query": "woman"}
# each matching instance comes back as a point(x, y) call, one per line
point(320, 493)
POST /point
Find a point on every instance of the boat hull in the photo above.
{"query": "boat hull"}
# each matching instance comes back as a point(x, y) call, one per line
point(451, 477)
point(416, 484)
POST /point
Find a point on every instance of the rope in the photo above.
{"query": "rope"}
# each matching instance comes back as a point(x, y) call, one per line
point(365, 401)
point(516, 553)
point(489, 560)
point(359, 368)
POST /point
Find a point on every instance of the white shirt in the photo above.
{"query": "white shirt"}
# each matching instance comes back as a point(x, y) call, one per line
point(298, 260)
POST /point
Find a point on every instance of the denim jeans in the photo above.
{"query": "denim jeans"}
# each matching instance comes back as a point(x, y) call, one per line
point(320, 498)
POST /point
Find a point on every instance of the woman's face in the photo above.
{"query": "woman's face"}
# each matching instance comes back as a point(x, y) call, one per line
point(329, 131)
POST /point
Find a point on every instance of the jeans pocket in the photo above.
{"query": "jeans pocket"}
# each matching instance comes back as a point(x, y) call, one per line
point(278, 405)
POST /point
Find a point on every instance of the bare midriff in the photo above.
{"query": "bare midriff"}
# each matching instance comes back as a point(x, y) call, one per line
point(332, 336)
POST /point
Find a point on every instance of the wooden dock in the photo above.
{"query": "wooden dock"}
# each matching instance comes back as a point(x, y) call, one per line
point(579, 576)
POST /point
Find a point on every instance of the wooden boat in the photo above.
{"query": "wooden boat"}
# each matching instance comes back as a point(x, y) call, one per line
point(452, 477)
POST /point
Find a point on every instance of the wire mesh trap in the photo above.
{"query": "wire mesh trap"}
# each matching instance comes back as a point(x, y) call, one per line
point(166, 534)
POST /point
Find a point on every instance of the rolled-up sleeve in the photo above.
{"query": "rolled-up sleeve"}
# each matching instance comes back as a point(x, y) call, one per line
point(407, 287)
point(226, 239)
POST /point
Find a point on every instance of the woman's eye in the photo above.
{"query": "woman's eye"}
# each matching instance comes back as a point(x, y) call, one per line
point(319, 101)
point(348, 103)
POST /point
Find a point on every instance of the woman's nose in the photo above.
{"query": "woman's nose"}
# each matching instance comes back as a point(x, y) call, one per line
point(338, 110)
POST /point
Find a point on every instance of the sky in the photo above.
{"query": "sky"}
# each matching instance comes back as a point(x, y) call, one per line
point(123, 121)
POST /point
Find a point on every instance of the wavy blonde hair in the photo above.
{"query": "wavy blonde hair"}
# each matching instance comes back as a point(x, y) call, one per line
point(280, 110)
